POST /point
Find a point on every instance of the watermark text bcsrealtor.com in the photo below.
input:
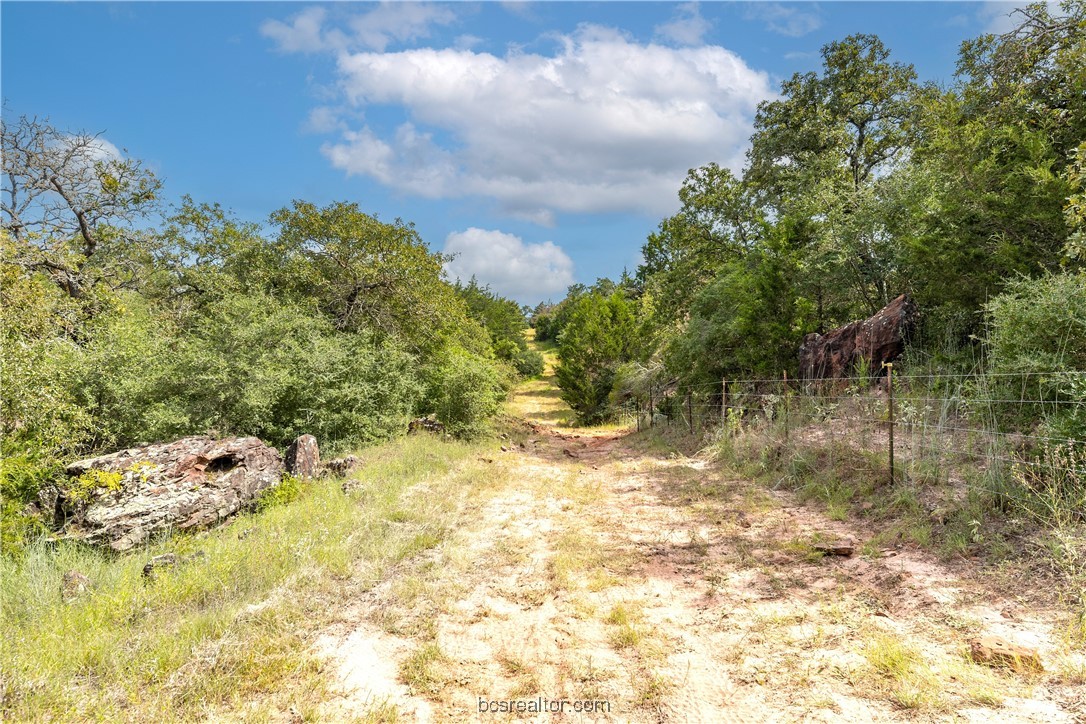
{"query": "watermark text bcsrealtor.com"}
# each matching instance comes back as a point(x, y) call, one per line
point(543, 705)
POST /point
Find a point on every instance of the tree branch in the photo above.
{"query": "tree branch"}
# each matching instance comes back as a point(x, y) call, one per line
point(90, 242)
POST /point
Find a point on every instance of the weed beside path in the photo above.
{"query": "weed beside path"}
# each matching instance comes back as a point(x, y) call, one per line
point(231, 632)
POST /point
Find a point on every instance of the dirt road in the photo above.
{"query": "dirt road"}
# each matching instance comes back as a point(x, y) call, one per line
point(608, 577)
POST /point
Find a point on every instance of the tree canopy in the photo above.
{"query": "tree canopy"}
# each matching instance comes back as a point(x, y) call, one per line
point(861, 184)
point(124, 319)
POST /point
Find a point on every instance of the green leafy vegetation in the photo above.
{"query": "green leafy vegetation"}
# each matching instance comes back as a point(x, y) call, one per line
point(466, 393)
point(115, 333)
point(229, 629)
point(123, 320)
point(599, 336)
point(862, 184)
point(506, 324)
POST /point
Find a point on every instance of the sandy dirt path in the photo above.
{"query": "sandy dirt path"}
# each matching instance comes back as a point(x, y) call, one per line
point(608, 569)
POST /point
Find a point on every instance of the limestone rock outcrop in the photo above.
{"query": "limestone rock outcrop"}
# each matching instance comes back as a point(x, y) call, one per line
point(123, 499)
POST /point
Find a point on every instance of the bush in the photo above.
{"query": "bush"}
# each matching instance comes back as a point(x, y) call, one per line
point(529, 363)
point(749, 321)
point(21, 477)
point(466, 391)
point(1039, 325)
point(353, 391)
point(505, 323)
point(256, 366)
point(38, 356)
point(1037, 350)
point(599, 337)
point(129, 376)
point(287, 491)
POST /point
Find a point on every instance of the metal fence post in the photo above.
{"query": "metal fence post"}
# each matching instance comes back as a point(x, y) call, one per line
point(724, 401)
point(652, 422)
point(890, 396)
point(787, 406)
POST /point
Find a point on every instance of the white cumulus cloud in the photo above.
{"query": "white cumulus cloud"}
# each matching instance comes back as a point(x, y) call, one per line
point(81, 152)
point(375, 29)
point(687, 27)
point(99, 149)
point(602, 124)
point(791, 20)
point(510, 267)
point(303, 34)
point(396, 21)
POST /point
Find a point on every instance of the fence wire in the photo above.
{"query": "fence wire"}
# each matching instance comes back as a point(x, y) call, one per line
point(993, 421)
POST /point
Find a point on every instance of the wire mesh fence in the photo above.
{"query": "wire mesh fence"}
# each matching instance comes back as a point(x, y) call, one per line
point(1027, 428)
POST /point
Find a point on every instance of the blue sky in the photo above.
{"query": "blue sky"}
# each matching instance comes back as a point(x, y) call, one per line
point(541, 142)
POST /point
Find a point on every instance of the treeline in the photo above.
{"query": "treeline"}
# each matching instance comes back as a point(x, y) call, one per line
point(326, 321)
point(861, 184)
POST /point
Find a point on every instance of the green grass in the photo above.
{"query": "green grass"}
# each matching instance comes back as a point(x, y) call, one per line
point(426, 670)
point(232, 626)
point(539, 399)
point(627, 632)
point(902, 675)
point(580, 561)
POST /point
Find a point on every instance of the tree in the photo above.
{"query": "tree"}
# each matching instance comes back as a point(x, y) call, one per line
point(1075, 210)
point(39, 415)
point(210, 254)
point(719, 220)
point(367, 274)
point(995, 165)
point(750, 320)
point(68, 202)
point(1033, 74)
point(1037, 348)
point(822, 151)
point(505, 322)
point(465, 392)
point(831, 134)
point(551, 319)
point(599, 337)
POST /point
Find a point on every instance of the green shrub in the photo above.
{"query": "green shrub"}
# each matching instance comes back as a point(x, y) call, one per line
point(288, 489)
point(1039, 325)
point(38, 357)
point(466, 391)
point(599, 337)
point(529, 363)
point(1037, 349)
point(129, 376)
point(251, 365)
point(20, 479)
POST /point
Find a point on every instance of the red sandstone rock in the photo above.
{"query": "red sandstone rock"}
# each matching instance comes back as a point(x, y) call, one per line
point(870, 342)
point(303, 457)
point(996, 651)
